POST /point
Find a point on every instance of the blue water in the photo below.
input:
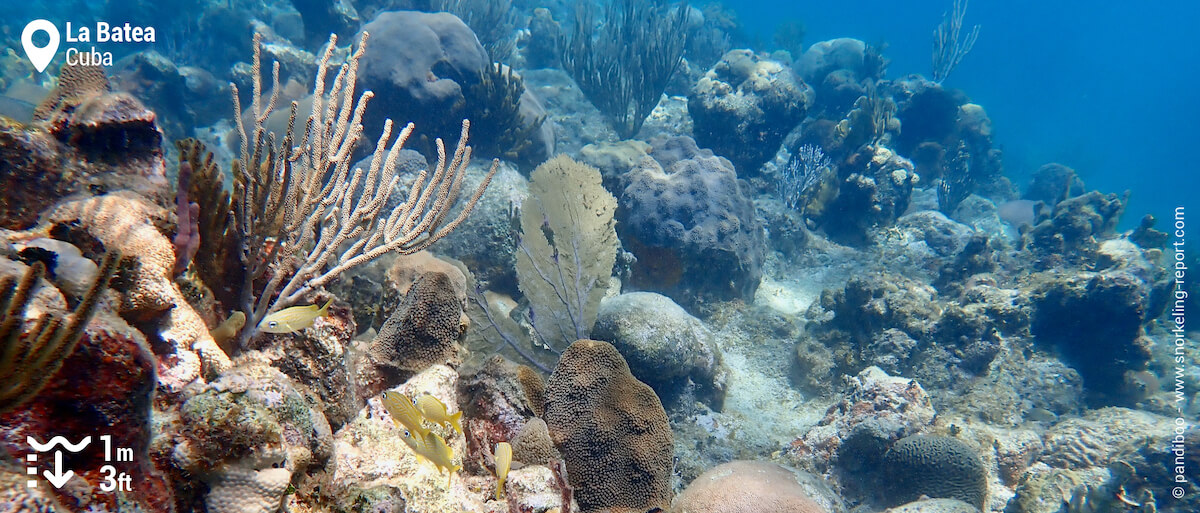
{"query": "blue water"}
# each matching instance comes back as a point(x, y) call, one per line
point(1108, 88)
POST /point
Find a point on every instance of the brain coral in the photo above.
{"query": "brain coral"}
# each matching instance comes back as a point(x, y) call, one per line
point(611, 429)
point(937, 466)
point(744, 487)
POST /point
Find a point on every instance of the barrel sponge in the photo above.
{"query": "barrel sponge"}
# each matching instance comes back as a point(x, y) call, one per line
point(745, 487)
point(937, 466)
point(612, 431)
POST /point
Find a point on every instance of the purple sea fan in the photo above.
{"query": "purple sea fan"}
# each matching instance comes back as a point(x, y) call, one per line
point(805, 169)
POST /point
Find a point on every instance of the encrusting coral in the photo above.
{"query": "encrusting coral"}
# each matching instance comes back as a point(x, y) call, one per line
point(126, 222)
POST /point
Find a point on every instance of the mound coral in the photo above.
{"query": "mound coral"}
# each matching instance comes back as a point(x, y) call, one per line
point(744, 107)
point(745, 487)
point(532, 445)
point(692, 226)
point(612, 431)
point(937, 466)
point(428, 325)
point(665, 347)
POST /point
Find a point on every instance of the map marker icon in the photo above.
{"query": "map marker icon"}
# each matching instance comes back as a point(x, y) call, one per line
point(40, 57)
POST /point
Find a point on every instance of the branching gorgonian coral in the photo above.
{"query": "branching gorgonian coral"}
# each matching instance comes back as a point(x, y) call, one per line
point(805, 169)
point(305, 216)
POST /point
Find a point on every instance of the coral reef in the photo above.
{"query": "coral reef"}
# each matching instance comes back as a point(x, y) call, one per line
point(101, 374)
point(83, 139)
point(318, 361)
point(689, 221)
point(497, 408)
point(874, 191)
point(1107, 309)
point(287, 228)
point(849, 443)
point(847, 283)
point(826, 57)
point(427, 66)
point(252, 418)
point(127, 222)
point(611, 429)
point(1071, 231)
point(745, 105)
point(664, 346)
point(948, 138)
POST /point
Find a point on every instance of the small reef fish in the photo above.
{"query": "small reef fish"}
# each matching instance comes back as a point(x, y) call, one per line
point(432, 447)
point(294, 318)
point(435, 410)
point(404, 414)
point(503, 463)
point(230, 328)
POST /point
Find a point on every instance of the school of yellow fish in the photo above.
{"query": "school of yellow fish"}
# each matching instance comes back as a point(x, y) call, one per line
point(409, 414)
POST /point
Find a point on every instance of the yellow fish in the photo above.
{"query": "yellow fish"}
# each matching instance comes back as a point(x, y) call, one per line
point(503, 462)
point(230, 328)
point(294, 318)
point(435, 410)
point(432, 447)
point(404, 414)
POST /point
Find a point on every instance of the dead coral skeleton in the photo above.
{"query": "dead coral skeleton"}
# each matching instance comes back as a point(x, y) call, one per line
point(304, 216)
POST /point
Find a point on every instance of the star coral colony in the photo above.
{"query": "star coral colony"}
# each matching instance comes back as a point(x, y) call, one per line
point(104, 33)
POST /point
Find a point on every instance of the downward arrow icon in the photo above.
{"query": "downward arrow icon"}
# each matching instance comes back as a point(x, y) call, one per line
point(58, 477)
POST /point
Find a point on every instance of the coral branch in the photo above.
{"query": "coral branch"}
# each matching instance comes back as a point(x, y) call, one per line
point(305, 216)
point(187, 231)
point(29, 360)
point(949, 47)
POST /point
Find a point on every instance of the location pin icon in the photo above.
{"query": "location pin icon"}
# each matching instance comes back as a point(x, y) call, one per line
point(40, 57)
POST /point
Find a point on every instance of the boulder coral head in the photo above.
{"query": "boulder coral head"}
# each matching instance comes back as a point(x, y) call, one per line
point(692, 226)
point(937, 466)
point(744, 107)
point(746, 487)
point(426, 328)
point(612, 431)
